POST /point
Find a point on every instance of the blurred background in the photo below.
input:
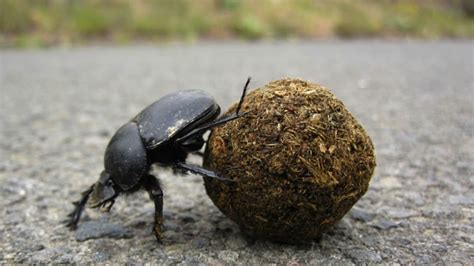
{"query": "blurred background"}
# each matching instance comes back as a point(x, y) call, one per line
point(25, 23)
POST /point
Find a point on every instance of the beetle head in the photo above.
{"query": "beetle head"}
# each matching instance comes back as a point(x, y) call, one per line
point(103, 191)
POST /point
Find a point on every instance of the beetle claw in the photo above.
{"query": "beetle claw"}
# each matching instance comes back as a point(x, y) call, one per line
point(106, 206)
point(70, 223)
point(158, 232)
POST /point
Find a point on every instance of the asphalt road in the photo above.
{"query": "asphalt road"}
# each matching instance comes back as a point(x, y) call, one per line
point(59, 107)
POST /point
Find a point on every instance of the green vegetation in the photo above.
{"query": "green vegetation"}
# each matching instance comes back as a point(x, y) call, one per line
point(52, 22)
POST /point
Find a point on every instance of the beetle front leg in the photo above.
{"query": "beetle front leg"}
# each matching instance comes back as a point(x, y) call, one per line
point(152, 185)
point(75, 215)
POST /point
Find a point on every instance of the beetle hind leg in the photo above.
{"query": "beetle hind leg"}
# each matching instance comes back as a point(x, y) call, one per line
point(153, 186)
point(222, 120)
point(200, 171)
point(75, 215)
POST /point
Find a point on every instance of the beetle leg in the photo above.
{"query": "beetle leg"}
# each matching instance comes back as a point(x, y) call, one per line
point(152, 185)
point(200, 130)
point(75, 215)
point(200, 171)
point(243, 95)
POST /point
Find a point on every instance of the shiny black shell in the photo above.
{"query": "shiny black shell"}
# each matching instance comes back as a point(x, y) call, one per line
point(127, 155)
point(174, 114)
point(125, 158)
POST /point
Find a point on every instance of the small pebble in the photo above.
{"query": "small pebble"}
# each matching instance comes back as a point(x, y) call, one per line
point(384, 224)
point(364, 256)
point(97, 229)
point(362, 215)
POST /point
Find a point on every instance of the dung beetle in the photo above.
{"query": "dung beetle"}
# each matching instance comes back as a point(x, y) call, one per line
point(164, 133)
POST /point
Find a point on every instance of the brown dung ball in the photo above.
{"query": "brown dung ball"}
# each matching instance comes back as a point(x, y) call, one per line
point(299, 158)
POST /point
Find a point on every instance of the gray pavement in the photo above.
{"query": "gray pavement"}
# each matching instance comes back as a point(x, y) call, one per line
point(59, 107)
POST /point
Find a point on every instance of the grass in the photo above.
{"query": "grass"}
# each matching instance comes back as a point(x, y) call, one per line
point(53, 22)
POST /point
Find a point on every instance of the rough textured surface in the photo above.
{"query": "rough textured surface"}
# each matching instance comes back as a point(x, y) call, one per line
point(59, 107)
point(299, 158)
point(99, 229)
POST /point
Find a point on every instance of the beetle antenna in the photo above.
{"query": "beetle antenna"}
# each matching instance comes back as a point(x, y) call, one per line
point(243, 95)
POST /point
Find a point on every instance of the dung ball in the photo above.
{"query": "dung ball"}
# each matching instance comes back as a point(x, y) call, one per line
point(299, 160)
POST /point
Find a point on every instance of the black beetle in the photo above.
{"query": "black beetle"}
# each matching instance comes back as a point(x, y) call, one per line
point(164, 133)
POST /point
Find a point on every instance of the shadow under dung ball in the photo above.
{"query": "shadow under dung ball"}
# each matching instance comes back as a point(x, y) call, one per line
point(299, 158)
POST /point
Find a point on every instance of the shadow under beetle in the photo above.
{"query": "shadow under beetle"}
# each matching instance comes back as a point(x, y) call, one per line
point(164, 133)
